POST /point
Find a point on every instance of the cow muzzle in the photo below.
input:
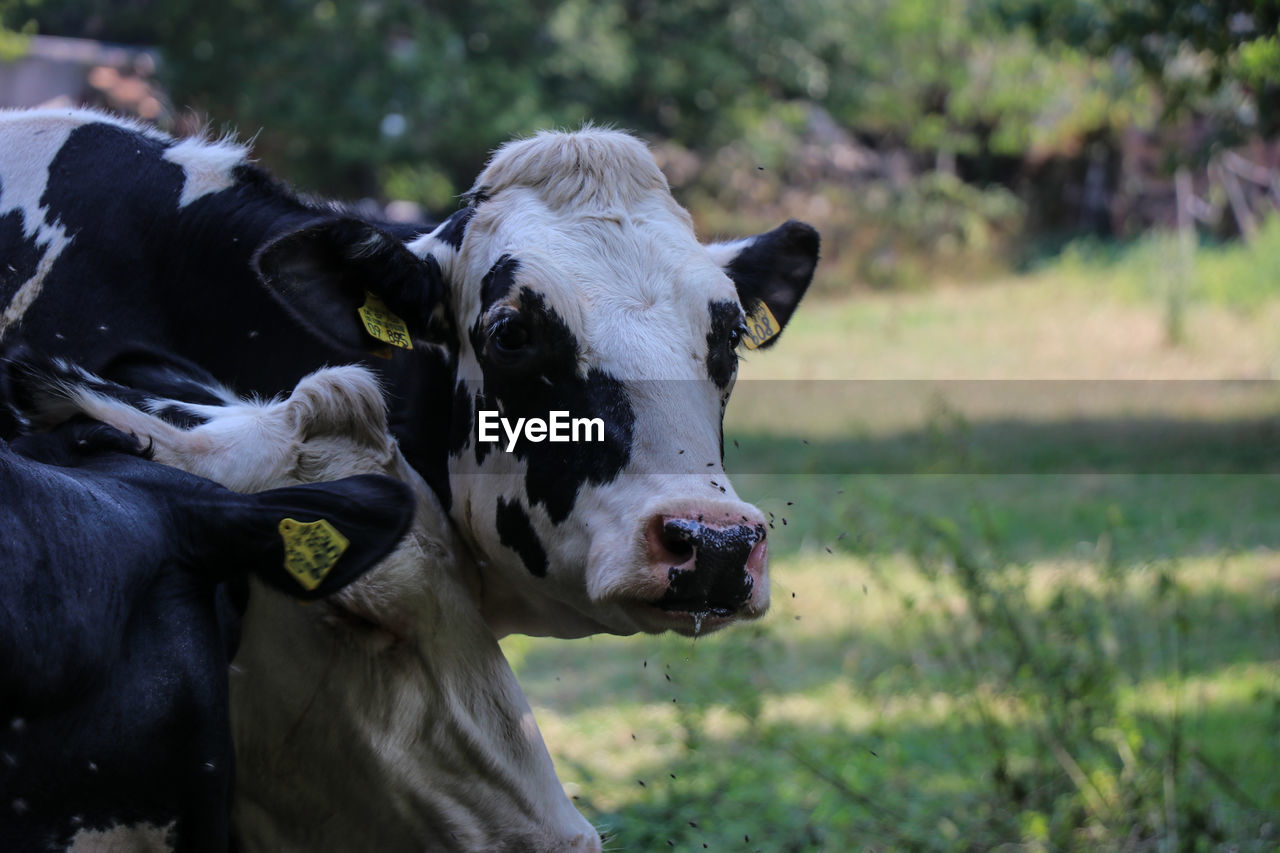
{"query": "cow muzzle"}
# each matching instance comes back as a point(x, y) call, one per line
point(712, 569)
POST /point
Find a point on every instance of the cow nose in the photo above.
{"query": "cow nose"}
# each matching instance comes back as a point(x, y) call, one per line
point(707, 564)
point(712, 548)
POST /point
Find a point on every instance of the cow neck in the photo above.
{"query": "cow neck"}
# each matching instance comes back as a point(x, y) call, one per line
point(419, 392)
point(257, 346)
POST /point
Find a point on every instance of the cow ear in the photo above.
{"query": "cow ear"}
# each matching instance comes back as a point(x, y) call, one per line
point(773, 269)
point(345, 401)
point(324, 273)
point(310, 541)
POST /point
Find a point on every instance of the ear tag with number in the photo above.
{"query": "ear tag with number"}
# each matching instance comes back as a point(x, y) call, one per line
point(762, 326)
point(311, 549)
point(382, 324)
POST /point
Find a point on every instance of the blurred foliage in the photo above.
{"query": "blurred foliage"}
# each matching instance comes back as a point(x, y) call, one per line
point(1219, 56)
point(13, 45)
point(345, 89)
point(910, 123)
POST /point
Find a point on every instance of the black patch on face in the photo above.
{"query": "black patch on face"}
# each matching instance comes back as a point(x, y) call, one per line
point(498, 282)
point(481, 401)
point(546, 379)
point(440, 327)
point(722, 340)
point(515, 531)
point(455, 227)
point(460, 429)
point(465, 422)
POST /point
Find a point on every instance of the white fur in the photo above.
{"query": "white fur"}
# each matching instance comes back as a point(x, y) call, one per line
point(207, 167)
point(386, 717)
point(124, 838)
point(597, 233)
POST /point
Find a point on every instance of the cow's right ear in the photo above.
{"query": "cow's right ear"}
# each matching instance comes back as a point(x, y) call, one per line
point(310, 541)
point(324, 273)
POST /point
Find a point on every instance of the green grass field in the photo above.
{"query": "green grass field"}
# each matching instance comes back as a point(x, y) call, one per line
point(1007, 622)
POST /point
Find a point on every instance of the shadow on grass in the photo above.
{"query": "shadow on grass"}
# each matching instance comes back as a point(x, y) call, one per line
point(1121, 445)
point(1122, 518)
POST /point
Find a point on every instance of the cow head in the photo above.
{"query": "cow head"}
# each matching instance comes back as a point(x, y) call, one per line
point(572, 282)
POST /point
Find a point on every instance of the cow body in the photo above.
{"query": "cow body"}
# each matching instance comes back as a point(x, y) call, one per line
point(114, 234)
point(114, 664)
point(570, 282)
point(386, 716)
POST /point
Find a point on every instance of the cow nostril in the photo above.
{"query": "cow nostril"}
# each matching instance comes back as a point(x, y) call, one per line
point(672, 541)
point(682, 530)
point(679, 537)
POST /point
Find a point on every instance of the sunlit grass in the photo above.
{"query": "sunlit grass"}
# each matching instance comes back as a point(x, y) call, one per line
point(1054, 325)
point(1117, 685)
point(848, 695)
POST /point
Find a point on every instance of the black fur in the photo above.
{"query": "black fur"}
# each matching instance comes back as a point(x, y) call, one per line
point(722, 356)
point(115, 708)
point(21, 256)
point(515, 530)
point(548, 380)
point(454, 229)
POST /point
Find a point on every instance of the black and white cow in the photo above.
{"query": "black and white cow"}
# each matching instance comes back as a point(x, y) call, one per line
point(114, 729)
point(571, 282)
point(389, 707)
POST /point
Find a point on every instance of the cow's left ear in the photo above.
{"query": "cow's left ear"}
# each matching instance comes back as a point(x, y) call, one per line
point(774, 268)
point(324, 272)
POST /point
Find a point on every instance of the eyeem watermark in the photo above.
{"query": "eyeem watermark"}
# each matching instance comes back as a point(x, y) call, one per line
point(557, 426)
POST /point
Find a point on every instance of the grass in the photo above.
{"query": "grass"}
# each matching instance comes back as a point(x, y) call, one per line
point(1241, 276)
point(997, 624)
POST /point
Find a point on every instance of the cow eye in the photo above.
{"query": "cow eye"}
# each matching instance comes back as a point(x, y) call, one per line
point(735, 336)
point(509, 340)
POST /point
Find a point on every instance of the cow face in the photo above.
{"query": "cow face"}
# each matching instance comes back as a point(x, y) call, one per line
point(576, 286)
point(571, 283)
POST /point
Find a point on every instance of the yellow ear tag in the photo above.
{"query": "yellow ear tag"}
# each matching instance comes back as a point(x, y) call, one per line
point(310, 549)
point(762, 326)
point(382, 324)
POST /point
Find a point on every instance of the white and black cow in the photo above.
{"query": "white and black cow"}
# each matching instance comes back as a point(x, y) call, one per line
point(571, 282)
point(114, 729)
point(388, 709)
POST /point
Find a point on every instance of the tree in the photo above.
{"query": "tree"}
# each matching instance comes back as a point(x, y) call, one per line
point(1213, 57)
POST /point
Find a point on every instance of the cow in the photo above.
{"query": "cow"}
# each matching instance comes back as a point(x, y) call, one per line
point(569, 285)
point(114, 720)
point(384, 717)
